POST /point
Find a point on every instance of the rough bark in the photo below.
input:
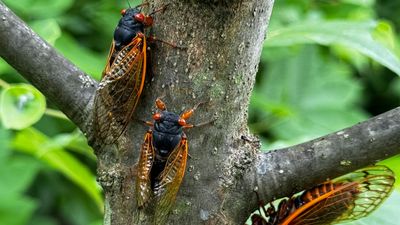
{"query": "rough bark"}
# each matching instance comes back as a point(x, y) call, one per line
point(218, 66)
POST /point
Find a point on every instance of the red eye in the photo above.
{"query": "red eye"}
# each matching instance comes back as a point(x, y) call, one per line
point(123, 11)
point(182, 122)
point(157, 116)
point(139, 17)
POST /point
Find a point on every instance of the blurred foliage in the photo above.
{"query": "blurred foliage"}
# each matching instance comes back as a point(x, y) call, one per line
point(21, 106)
point(326, 64)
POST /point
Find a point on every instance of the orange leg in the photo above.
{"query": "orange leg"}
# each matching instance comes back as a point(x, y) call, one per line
point(198, 125)
point(148, 123)
point(160, 104)
point(188, 113)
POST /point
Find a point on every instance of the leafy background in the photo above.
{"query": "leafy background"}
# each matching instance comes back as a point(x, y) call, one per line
point(325, 65)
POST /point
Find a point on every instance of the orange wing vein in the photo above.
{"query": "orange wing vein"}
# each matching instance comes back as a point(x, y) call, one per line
point(170, 180)
point(119, 90)
point(346, 198)
point(143, 184)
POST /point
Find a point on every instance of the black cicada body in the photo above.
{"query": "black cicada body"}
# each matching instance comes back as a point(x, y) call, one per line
point(132, 23)
point(162, 161)
point(123, 77)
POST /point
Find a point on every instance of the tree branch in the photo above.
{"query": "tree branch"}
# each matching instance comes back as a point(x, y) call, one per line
point(56, 77)
point(289, 170)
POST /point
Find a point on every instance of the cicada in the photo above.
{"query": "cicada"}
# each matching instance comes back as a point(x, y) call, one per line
point(123, 77)
point(343, 199)
point(162, 161)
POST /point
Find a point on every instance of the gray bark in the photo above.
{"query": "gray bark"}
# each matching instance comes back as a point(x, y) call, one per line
point(224, 43)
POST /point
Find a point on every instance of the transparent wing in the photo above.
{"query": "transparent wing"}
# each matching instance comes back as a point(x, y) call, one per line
point(375, 184)
point(119, 91)
point(143, 183)
point(170, 180)
point(346, 198)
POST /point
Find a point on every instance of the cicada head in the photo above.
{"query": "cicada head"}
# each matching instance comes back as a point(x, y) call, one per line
point(168, 122)
point(128, 27)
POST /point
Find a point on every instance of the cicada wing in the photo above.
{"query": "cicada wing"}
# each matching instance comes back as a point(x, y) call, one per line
point(119, 91)
point(374, 185)
point(143, 183)
point(170, 180)
point(257, 219)
point(346, 198)
point(321, 204)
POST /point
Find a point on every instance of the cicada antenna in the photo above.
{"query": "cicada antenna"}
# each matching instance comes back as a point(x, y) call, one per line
point(129, 4)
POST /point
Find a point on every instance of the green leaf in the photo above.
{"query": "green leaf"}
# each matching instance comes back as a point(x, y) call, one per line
point(39, 220)
point(365, 37)
point(15, 210)
point(73, 204)
point(366, 3)
point(4, 67)
point(40, 8)
point(395, 87)
point(21, 106)
point(4, 144)
point(35, 143)
point(17, 174)
point(75, 141)
point(99, 222)
point(88, 61)
point(48, 29)
point(301, 100)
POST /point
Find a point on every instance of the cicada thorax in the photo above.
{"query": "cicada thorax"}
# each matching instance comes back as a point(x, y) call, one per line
point(162, 163)
point(131, 25)
point(346, 198)
point(128, 27)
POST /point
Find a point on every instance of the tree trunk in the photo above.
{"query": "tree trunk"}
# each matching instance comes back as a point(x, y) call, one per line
point(218, 65)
